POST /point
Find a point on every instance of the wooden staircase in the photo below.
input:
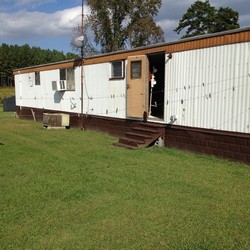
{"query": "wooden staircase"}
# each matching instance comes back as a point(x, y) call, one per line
point(142, 135)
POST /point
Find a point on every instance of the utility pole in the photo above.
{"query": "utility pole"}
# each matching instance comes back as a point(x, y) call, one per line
point(82, 26)
point(82, 60)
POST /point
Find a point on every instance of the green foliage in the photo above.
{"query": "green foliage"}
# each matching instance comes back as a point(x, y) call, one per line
point(227, 19)
point(68, 189)
point(202, 18)
point(121, 24)
point(14, 56)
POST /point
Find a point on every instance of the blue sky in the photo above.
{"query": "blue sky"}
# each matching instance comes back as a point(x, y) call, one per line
point(48, 23)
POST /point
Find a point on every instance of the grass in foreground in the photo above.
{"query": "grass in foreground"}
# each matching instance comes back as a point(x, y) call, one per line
point(68, 189)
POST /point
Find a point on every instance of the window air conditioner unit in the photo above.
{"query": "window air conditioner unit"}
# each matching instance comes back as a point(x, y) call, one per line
point(59, 85)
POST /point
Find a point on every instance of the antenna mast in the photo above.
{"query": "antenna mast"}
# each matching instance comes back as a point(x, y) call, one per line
point(82, 26)
point(82, 29)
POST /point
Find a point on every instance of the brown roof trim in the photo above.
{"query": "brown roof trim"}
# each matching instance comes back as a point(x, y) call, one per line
point(49, 66)
point(190, 39)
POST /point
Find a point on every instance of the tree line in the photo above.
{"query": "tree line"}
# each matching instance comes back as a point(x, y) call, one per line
point(14, 57)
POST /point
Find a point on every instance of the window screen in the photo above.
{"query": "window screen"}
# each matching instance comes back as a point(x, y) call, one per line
point(62, 74)
point(70, 79)
point(117, 69)
point(37, 78)
point(136, 70)
point(68, 75)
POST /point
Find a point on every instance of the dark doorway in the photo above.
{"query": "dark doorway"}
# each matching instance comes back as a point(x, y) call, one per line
point(156, 93)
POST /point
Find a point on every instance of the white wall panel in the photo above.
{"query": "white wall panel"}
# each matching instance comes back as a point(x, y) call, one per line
point(42, 96)
point(210, 88)
point(102, 96)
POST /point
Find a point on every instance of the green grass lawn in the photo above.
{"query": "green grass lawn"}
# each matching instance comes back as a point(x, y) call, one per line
point(69, 189)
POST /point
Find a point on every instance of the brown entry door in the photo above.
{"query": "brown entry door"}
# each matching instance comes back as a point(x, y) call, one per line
point(137, 86)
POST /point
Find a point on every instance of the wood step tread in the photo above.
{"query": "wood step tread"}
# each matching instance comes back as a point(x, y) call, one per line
point(138, 135)
point(149, 130)
point(153, 125)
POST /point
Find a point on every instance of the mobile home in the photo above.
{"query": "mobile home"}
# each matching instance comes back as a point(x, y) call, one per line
point(191, 94)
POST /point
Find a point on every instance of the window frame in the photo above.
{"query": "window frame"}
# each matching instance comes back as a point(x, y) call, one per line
point(37, 78)
point(132, 72)
point(122, 76)
point(64, 76)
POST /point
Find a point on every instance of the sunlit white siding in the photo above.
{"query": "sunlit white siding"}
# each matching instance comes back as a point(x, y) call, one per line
point(27, 93)
point(210, 88)
point(102, 96)
point(42, 96)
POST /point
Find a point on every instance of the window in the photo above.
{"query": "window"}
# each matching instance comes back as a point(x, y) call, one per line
point(135, 69)
point(117, 70)
point(37, 78)
point(68, 75)
point(62, 74)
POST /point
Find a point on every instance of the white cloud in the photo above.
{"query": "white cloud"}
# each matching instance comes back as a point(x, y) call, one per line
point(245, 20)
point(39, 24)
point(168, 26)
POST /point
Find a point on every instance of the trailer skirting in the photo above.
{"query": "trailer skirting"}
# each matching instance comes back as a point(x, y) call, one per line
point(228, 145)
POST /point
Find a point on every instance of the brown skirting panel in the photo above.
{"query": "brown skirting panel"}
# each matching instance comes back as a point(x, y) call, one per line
point(228, 145)
point(112, 126)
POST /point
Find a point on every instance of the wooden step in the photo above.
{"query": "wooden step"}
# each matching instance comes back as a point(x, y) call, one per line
point(141, 135)
point(137, 136)
point(152, 125)
point(147, 130)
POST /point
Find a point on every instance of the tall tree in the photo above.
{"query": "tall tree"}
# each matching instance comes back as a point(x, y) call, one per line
point(202, 18)
point(227, 19)
point(120, 24)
